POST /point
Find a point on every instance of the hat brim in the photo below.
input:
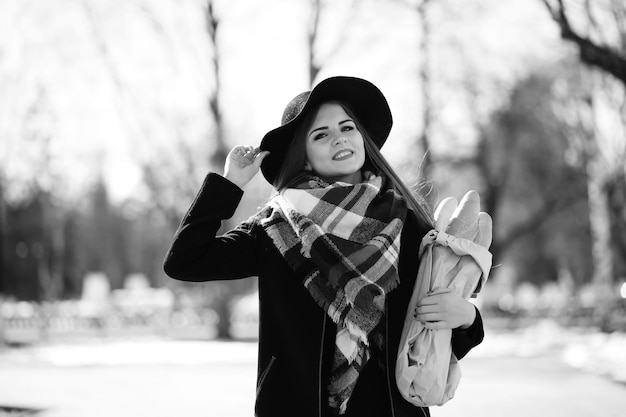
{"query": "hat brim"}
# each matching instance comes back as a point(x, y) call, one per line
point(363, 97)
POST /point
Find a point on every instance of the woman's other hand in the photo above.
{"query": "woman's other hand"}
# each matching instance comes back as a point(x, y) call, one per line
point(443, 308)
point(242, 163)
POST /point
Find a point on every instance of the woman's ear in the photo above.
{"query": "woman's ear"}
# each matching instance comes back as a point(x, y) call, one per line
point(307, 166)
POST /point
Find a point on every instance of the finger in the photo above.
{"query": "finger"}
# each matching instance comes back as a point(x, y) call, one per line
point(426, 309)
point(435, 296)
point(260, 157)
point(436, 325)
point(239, 151)
point(236, 156)
point(429, 300)
point(256, 151)
point(440, 290)
point(429, 317)
point(241, 158)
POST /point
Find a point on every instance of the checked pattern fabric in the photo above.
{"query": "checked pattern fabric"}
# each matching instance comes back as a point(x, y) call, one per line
point(344, 240)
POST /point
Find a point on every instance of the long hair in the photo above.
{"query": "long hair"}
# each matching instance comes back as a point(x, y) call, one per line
point(293, 165)
point(295, 158)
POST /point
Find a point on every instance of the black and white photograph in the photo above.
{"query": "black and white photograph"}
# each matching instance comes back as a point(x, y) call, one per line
point(312, 208)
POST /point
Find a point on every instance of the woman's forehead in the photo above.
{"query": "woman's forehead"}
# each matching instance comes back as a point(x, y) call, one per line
point(329, 110)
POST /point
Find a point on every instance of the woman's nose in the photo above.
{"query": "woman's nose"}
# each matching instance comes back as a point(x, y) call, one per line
point(340, 140)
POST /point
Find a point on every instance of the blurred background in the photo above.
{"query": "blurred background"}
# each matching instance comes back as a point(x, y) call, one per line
point(112, 113)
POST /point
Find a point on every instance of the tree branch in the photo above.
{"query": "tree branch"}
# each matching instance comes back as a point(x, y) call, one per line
point(599, 56)
point(221, 148)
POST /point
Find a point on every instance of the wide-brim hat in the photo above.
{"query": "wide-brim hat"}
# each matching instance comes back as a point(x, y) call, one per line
point(365, 99)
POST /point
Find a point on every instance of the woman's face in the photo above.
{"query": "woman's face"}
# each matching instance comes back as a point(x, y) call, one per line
point(334, 146)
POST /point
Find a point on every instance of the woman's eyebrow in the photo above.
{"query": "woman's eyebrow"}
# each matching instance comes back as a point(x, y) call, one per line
point(326, 127)
point(316, 129)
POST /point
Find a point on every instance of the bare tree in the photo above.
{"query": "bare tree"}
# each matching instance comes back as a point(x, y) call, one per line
point(221, 149)
point(314, 32)
point(610, 59)
point(608, 56)
point(223, 292)
point(426, 84)
point(422, 9)
point(314, 67)
point(172, 182)
point(616, 195)
point(3, 239)
point(3, 254)
point(502, 157)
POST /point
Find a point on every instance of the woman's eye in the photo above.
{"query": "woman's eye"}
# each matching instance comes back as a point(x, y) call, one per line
point(347, 128)
point(319, 136)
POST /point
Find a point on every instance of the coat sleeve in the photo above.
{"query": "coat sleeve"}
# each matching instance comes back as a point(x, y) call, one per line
point(196, 253)
point(463, 340)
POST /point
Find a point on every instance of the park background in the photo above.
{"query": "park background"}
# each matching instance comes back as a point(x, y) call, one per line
point(112, 113)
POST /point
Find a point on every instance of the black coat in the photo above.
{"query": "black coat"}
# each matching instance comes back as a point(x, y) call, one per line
point(296, 337)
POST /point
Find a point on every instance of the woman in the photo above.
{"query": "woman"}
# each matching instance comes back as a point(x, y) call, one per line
point(335, 251)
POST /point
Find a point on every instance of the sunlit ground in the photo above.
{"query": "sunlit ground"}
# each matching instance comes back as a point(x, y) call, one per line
point(157, 376)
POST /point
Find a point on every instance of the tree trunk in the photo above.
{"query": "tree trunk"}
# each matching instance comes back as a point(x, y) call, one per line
point(222, 308)
point(616, 195)
point(221, 149)
point(425, 81)
point(599, 220)
point(218, 158)
point(4, 279)
point(4, 284)
point(314, 69)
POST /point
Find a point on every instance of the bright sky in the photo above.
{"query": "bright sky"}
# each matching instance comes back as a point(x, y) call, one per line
point(110, 84)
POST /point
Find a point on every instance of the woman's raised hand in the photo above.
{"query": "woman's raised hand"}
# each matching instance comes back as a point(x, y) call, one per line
point(242, 163)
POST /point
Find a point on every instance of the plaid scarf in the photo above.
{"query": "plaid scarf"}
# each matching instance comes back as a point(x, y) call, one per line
point(344, 240)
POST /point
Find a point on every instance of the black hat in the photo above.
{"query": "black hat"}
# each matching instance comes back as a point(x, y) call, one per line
point(364, 98)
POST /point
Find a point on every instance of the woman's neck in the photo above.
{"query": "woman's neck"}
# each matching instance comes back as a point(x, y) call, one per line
point(354, 178)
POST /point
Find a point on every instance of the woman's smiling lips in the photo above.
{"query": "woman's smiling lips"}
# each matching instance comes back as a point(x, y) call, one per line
point(343, 154)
